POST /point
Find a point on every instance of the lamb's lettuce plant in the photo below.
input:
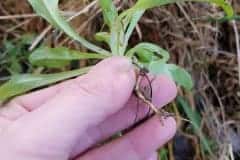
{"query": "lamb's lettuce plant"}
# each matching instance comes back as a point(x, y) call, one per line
point(121, 26)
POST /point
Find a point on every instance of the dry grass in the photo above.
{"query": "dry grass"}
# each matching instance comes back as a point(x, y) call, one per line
point(208, 50)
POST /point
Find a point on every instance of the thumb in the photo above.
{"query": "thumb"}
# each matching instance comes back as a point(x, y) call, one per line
point(82, 103)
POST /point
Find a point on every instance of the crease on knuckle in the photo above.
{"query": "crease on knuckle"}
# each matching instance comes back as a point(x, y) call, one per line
point(18, 101)
point(6, 111)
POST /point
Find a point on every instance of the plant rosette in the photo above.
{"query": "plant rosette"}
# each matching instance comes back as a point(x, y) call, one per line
point(150, 57)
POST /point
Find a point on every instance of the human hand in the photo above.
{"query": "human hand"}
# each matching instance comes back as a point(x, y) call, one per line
point(63, 121)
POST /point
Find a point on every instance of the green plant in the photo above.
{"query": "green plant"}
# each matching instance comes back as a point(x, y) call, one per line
point(13, 54)
point(195, 120)
point(163, 154)
point(120, 25)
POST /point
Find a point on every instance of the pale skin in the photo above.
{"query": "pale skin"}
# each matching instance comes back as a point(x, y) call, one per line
point(65, 121)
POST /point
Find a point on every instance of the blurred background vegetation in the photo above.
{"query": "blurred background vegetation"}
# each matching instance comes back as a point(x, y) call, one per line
point(203, 46)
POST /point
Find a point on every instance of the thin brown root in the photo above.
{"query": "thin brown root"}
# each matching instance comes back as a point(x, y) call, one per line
point(141, 96)
point(160, 112)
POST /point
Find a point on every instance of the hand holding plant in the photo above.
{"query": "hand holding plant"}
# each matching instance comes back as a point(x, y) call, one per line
point(65, 120)
point(120, 27)
point(147, 56)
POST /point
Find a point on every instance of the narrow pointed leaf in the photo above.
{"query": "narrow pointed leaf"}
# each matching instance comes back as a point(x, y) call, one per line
point(146, 4)
point(110, 13)
point(59, 57)
point(116, 38)
point(195, 119)
point(49, 11)
point(20, 84)
point(134, 18)
point(116, 35)
point(103, 37)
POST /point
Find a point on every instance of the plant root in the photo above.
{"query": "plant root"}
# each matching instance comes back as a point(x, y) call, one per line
point(162, 114)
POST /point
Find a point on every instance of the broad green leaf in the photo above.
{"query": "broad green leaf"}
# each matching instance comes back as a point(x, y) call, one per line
point(181, 76)
point(49, 10)
point(146, 56)
point(110, 13)
point(59, 57)
point(149, 48)
point(159, 67)
point(20, 84)
point(103, 37)
point(178, 74)
point(195, 120)
point(146, 4)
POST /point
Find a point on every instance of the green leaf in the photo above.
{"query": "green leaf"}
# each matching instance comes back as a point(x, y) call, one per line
point(20, 84)
point(59, 57)
point(151, 49)
point(110, 13)
point(116, 38)
point(163, 154)
point(158, 68)
point(223, 19)
point(103, 37)
point(181, 76)
point(178, 74)
point(133, 22)
point(146, 56)
point(49, 10)
point(147, 4)
point(130, 26)
point(225, 5)
point(195, 120)
point(15, 67)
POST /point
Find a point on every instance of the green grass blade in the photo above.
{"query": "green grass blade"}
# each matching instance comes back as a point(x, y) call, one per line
point(195, 119)
point(103, 37)
point(116, 38)
point(20, 84)
point(135, 17)
point(146, 4)
point(49, 11)
point(223, 19)
point(59, 57)
point(163, 154)
point(224, 4)
point(110, 13)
